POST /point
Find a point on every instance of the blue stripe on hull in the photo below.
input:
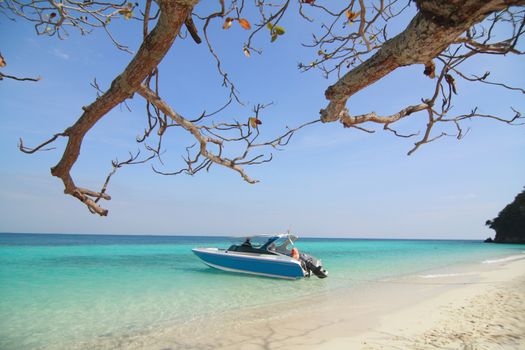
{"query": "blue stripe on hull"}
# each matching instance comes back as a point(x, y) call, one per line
point(253, 265)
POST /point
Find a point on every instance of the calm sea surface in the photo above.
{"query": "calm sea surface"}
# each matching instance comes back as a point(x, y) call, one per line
point(60, 289)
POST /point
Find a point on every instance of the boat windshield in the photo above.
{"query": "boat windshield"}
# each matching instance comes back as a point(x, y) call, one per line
point(277, 243)
point(281, 244)
point(255, 241)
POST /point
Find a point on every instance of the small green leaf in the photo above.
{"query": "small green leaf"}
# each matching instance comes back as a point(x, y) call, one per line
point(278, 30)
point(126, 12)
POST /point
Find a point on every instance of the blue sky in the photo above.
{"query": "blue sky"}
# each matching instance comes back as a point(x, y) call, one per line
point(328, 182)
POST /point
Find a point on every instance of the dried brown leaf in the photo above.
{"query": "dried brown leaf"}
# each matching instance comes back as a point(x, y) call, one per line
point(253, 122)
point(244, 23)
point(451, 82)
point(430, 69)
point(352, 16)
point(227, 23)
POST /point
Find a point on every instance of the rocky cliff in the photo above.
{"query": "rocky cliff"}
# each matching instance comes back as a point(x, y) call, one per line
point(510, 222)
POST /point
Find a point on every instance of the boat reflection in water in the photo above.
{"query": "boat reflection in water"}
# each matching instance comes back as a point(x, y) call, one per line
point(264, 255)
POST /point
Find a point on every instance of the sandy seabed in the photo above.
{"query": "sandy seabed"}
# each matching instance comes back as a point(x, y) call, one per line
point(471, 307)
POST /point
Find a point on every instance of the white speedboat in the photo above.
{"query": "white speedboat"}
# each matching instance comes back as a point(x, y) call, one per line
point(264, 255)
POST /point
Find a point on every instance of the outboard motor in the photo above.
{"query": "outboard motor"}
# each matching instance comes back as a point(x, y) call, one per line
point(313, 265)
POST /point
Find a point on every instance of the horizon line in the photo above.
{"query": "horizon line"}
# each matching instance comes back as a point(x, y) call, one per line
point(236, 236)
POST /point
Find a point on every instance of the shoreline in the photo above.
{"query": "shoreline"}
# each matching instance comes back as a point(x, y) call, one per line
point(483, 309)
point(470, 306)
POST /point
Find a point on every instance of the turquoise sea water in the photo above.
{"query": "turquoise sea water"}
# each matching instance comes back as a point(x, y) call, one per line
point(63, 289)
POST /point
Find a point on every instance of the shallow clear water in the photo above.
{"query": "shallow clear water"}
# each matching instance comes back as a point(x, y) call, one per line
point(56, 289)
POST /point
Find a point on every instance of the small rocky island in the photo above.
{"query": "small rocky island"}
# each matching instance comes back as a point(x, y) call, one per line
point(510, 222)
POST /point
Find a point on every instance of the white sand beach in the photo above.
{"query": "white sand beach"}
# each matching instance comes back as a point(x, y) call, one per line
point(487, 313)
point(479, 306)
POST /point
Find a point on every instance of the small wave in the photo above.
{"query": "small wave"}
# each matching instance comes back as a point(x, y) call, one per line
point(440, 275)
point(508, 258)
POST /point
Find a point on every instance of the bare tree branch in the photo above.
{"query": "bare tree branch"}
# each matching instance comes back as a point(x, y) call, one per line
point(54, 17)
point(2, 76)
point(3, 63)
point(149, 95)
point(349, 121)
point(39, 147)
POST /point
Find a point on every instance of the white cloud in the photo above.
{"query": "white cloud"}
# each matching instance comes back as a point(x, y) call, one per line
point(460, 196)
point(60, 54)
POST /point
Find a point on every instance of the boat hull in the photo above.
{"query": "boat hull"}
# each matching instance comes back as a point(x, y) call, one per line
point(255, 264)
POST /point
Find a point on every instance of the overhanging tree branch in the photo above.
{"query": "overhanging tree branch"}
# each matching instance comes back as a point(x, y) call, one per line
point(432, 30)
point(155, 46)
point(442, 35)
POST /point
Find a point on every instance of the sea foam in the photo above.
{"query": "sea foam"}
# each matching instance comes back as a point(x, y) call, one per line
point(441, 275)
point(508, 258)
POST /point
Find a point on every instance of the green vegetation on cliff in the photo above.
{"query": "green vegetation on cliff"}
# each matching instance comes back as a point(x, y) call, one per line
point(510, 222)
